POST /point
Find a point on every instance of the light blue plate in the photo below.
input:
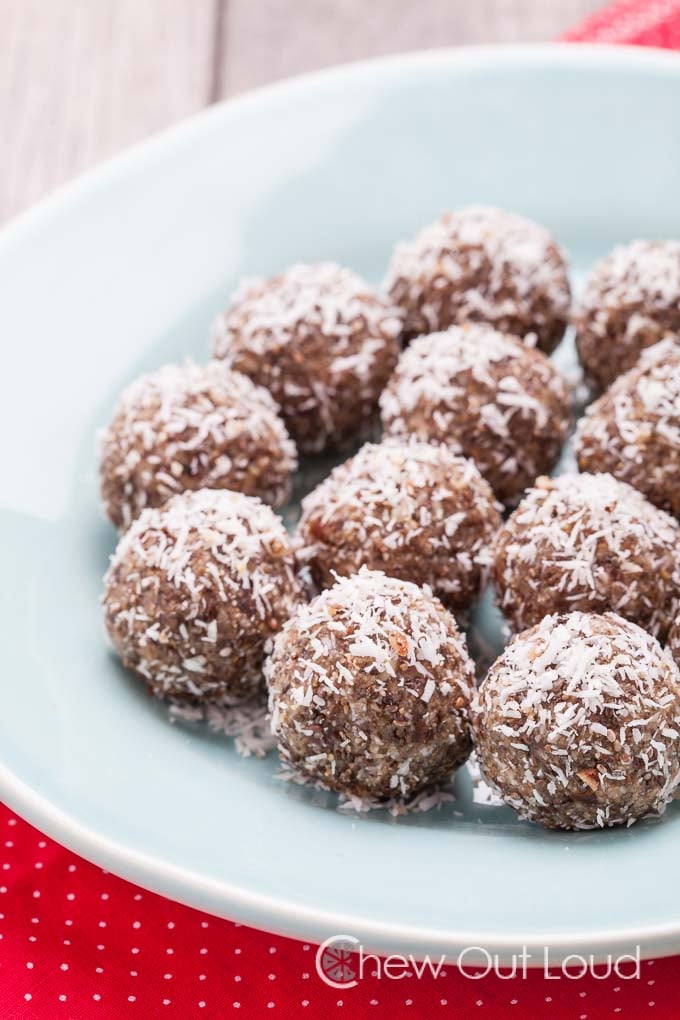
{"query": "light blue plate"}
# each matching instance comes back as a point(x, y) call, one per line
point(126, 270)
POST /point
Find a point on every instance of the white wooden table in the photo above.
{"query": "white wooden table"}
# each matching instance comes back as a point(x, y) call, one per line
point(83, 79)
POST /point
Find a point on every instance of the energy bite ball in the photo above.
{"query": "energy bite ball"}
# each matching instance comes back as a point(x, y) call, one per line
point(191, 427)
point(577, 724)
point(321, 342)
point(631, 301)
point(481, 264)
point(369, 688)
point(487, 396)
point(195, 590)
point(590, 543)
point(633, 430)
point(414, 510)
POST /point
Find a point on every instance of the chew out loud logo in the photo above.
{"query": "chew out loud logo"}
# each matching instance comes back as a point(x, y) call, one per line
point(342, 962)
point(336, 961)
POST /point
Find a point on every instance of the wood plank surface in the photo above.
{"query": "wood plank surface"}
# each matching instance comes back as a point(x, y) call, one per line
point(83, 79)
point(270, 39)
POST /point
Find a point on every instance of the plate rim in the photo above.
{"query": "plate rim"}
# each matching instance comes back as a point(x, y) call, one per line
point(216, 896)
point(292, 920)
point(607, 55)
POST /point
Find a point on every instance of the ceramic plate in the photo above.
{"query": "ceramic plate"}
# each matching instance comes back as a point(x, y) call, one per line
point(126, 270)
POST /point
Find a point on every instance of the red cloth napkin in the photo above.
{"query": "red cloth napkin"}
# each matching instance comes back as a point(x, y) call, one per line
point(78, 942)
point(636, 22)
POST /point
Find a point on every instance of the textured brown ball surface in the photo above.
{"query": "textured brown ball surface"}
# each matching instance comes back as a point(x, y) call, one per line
point(488, 397)
point(633, 430)
point(321, 342)
point(414, 510)
point(631, 300)
point(577, 724)
point(194, 591)
point(192, 427)
point(674, 640)
point(369, 689)
point(481, 264)
point(589, 543)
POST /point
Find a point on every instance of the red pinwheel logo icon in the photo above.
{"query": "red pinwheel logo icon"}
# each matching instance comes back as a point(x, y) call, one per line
point(336, 961)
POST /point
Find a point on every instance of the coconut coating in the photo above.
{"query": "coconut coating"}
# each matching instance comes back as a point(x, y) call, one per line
point(577, 724)
point(674, 640)
point(488, 397)
point(414, 510)
point(321, 342)
point(369, 688)
point(633, 430)
point(195, 590)
point(191, 427)
point(631, 301)
point(481, 264)
point(590, 543)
